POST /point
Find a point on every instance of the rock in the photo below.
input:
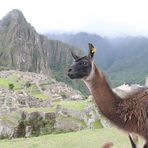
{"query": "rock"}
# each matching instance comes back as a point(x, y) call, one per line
point(25, 124)
point(6, 131)
point(28, 131)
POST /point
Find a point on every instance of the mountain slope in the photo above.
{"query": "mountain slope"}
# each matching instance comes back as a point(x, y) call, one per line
point(22, 48)
point(131, 61)
point(82, 39)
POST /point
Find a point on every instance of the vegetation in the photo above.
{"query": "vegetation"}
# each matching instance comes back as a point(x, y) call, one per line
point(16, 83)
point(11, 86)
point(76, 105)
point(97, 124)
point(9, 83)
point(86, 138)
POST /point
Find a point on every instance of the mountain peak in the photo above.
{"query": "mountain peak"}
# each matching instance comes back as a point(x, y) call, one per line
point(14, 15)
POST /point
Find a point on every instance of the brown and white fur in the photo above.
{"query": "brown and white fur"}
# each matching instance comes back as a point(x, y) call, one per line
point(129, 114)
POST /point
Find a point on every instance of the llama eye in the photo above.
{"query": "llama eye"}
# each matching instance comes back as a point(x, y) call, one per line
point(84, 63)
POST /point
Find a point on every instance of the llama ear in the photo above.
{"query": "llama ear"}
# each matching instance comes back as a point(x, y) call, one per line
point(74, 56)
point(92, 50)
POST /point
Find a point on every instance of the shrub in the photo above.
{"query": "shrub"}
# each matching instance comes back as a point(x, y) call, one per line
point(11, 86)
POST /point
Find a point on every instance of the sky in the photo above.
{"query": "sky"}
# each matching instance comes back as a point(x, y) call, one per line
point(104, 17)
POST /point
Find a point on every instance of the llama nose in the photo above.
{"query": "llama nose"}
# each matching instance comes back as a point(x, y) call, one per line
point(70, 73)
point(69, 70)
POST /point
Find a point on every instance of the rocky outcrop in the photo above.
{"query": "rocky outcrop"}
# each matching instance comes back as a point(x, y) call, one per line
point(23, 124)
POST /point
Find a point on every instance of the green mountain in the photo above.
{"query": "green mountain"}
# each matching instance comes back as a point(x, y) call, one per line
point(22, 48)
point(131, 62)
point(123, 59)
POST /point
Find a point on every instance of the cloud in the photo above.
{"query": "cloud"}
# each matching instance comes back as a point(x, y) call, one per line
point(106, 17)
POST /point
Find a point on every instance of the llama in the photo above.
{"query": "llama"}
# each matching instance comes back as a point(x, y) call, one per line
point(129, 114)
point(134, 140)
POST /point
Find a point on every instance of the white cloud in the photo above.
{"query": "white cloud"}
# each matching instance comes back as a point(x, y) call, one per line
point(107, 17)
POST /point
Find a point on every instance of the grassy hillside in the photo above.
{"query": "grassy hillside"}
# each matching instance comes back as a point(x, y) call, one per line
point(85, 138)
point(132, 68)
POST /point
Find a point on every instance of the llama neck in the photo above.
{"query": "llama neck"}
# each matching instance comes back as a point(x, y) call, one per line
point(104, 97)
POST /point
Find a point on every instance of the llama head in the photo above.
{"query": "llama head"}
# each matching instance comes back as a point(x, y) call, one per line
point(82, 66)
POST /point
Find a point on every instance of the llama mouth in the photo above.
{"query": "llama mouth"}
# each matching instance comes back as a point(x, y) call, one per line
point(71, 76)
point(74, 75)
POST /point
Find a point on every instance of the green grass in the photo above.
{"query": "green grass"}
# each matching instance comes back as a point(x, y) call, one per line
point(76, 105)
point(18, 85)
point(97, 124)
point(33, 89)
point(81, 139)
point(4, 82)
